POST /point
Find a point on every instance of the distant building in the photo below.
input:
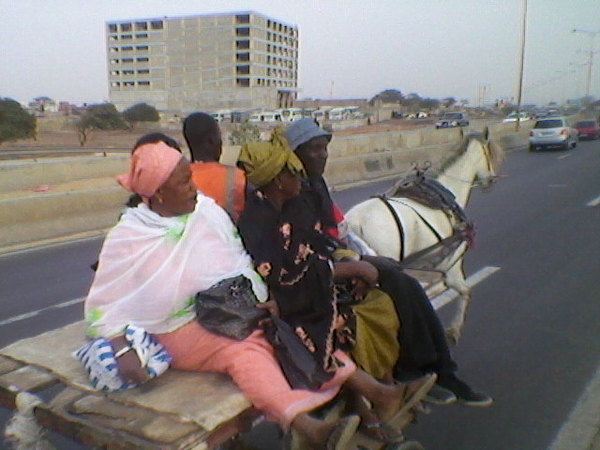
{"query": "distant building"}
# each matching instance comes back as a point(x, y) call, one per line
point(239, 61)
point(43, 104)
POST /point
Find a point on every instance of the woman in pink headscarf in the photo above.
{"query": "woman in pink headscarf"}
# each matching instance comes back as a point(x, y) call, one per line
point(174, 244)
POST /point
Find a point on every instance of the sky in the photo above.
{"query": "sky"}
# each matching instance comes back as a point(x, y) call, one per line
point(347, 49)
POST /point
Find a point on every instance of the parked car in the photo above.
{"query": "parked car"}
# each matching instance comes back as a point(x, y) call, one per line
point(452, 119)
point(588, 129)
point(552, 132)
point(513, 116)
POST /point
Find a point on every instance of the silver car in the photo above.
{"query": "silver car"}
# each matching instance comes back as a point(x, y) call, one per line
point(452, 119)
point(552, 132)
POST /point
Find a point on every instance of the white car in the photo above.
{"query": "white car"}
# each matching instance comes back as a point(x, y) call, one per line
point(512, 117)
point(552, 132)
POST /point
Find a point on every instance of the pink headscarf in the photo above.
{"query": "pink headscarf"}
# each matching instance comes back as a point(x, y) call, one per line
point(150, 166)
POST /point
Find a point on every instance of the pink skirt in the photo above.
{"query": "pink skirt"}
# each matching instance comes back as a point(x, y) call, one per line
point(253, 367)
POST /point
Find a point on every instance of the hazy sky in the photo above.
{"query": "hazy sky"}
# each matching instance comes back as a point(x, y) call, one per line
point(348, 48)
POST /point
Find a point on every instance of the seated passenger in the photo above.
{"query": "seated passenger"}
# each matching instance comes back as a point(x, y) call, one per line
point(295, 259)
point(224, 184)
point(174, 244)
point(422, 337)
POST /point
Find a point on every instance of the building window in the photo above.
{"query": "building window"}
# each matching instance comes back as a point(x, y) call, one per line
point(143, 71)
point(141, 35)
point(113, 37)
point(112, 27)
point(143, 59)
point(127, 49)
point(114, 72)
point(141, 26)
point(243, 82)
point(141, 47)
point(243, 45)
point(268, 47)
point(114, 61)
point(245, 31)
point(242, 18)
point(268, 60)
point(242, 70)
point(114, 49)
point(126, 36)
point(128, 83)
point(127, 60)
point(156, 24)
point(242, 56)
point(115, 83)
point(143, 83)
point(268, 24)
point(125, 27)
point(128, 72)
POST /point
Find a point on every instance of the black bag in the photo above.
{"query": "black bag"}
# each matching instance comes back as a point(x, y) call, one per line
point(298, 364)
point(228, 308)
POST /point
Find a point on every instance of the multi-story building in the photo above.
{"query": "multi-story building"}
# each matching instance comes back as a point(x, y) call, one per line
point(240, 61)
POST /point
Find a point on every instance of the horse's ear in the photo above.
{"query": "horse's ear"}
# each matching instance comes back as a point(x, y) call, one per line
point(486, 133)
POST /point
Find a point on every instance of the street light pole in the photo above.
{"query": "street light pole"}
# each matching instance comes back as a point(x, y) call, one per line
point(521, 65)
point(592, 35)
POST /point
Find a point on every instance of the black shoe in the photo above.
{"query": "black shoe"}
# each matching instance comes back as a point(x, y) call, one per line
point(440, 396)
point(463, 392)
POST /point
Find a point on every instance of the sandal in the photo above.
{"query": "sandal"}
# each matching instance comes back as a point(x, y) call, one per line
point(342, 433)
point(382, 432)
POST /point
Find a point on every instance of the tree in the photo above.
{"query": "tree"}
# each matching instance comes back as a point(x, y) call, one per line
point(388, 96)
point(141, 112)
point(99, 117)
point(448, 102)
point(15, 122)
point(244, 133)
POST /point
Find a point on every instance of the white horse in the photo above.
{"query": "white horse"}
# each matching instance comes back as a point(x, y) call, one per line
point(416, 227)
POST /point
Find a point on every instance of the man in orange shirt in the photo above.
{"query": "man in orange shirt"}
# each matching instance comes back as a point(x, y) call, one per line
point(225, 184)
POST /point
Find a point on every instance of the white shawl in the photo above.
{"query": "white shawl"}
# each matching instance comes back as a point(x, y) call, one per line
point(151, 267)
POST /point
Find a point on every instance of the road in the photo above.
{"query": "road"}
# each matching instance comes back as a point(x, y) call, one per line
point(531, 338)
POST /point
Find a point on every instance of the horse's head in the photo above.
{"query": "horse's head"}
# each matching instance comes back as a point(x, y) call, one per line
point(490, 157)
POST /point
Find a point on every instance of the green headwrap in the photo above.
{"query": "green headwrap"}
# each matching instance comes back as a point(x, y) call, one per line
point(263, 161)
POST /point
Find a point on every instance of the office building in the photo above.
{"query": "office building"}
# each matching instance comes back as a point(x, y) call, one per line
point(238, 61)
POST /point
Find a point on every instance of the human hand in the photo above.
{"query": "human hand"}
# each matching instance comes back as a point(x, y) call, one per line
point(362, 270)
point(130, 367)
point(270, 306)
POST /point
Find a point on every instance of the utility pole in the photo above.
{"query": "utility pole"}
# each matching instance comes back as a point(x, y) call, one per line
point(521, 65)
point(592, 35)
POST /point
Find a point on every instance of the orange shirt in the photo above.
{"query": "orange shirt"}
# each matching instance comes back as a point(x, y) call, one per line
point(226, 185)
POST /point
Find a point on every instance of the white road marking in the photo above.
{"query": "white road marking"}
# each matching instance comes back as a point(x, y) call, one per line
point(564, 156)
point(594, 202)
point(38, 311)
point(450, 294)
point(580, 429)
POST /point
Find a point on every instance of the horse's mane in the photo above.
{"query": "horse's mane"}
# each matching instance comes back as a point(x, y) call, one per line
point(495, 154)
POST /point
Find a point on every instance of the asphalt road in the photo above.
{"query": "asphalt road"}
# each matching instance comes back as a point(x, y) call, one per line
point(531, 337)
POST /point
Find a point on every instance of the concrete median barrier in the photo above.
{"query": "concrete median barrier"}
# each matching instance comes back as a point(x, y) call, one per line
point(82, 196)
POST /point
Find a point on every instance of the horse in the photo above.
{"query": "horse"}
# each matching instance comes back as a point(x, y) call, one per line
point(398, 227)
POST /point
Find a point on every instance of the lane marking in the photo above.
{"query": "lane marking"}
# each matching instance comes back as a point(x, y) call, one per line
point(473, 280)
point(580, 429)
point(38, 311)
point(594, 202)
point(564, 156)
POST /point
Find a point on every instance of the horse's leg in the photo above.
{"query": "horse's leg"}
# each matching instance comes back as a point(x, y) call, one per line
point(455, 279)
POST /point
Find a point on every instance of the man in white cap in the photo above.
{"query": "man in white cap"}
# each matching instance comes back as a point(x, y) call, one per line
point(422, 338)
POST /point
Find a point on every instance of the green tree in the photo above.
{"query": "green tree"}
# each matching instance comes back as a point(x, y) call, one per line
point(99, 117)
point(15, 122)
point(244, 133)
point(388, 96)
point(141, 112)
point(448, 102)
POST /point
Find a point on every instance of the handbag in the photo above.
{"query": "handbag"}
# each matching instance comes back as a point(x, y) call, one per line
point(297, 363)
point(228, 308)
point(100, 360)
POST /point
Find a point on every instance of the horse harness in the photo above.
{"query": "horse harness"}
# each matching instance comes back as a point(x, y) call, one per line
point(432, 194)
